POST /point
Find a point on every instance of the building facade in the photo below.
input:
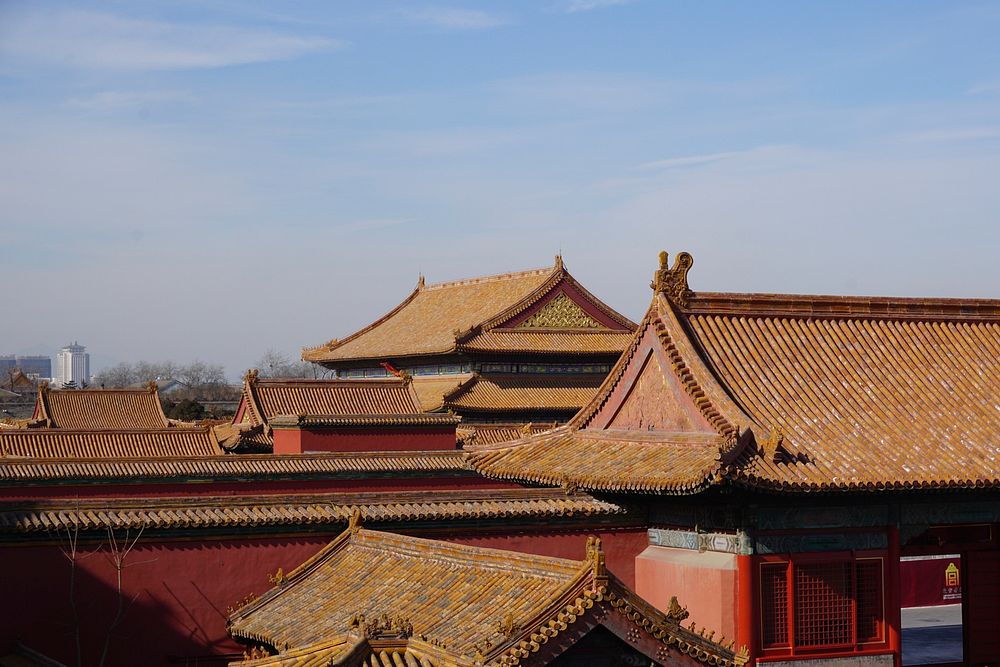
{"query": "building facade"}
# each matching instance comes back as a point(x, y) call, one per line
point(37, 367)
point(72, 366)
point(511, 349)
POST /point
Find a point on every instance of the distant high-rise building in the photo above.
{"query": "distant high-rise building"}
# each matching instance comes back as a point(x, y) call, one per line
point(35, 366)
point(72, 365)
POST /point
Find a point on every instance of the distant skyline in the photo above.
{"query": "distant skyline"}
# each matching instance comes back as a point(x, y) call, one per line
point(186, 181)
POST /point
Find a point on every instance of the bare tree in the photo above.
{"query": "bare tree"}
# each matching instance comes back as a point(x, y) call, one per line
point(71, 551)
point(118, 555)
point(275, 364)
point(119, 375)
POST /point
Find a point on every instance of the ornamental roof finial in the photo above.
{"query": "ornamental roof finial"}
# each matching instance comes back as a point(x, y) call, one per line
point(672, 282)
point(595, 556)
point(354, 522)
point(420, 281)
point(559, 262)
point(251, 376)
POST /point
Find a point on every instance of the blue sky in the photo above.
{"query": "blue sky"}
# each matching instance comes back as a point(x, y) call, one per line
point(180, 181)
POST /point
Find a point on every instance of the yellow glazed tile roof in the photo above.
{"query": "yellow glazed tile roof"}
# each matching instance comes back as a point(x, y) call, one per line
point(269, 397)
point(481, 606)
point(15, 470)
point(327, 509)
point(517, 392)
point(785, 392)
point(495, 433)
point(100, 409)
point(445, 317)
point(60, 443)
point(432, 389)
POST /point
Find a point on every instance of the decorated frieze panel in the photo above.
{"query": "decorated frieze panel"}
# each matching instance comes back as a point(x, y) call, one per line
point(784, 544)
point(561, 312)
point(795, 515)
point(729, 543)
point(947, 513)
point(721, 518)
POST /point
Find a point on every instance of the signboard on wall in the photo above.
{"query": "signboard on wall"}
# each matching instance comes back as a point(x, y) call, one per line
point(927, 581)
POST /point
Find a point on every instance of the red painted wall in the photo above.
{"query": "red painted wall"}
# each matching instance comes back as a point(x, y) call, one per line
point(298, 441)
point(923, 582)
point(180, 590)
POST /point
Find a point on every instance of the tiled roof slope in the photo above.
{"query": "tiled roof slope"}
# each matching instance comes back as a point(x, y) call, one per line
point(863, 400)
point(60, 443)
point(330, 509)
point(494, 433)
point(270, 397)
point(363, 402)
point(432, 389)
point(443, 317)
point(481, 606)
point(785, 392)
point(519, 392)
point(230, 467)
point(99, 409)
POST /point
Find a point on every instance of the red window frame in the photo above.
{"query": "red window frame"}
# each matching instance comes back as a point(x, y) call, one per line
point(787, 582)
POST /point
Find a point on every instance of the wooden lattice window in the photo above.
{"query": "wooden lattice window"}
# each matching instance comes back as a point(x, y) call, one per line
point(774, 603)
point(812, 604)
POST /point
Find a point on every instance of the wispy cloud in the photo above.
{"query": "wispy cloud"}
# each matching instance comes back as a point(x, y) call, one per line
point(976, 133)
point(985, 88)
point(92, 40)
point(126, 100)
point(574, 6)
point(688, 161)
point(454, 18)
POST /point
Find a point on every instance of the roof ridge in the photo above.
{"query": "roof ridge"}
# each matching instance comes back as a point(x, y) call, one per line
point(330, 382)
point(841, 306)
point(475, 556)
point(496, 277)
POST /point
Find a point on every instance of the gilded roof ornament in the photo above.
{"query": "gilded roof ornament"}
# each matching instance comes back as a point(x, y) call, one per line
point(382, 626)
point(772, 447)
point(152, 387)
point(672, 281)
point(251, 375)
point(354, 523)
point(421, 282)
point(506, 626)
point(559, 262)
point(595, 555)
point(675, 611)
point(278, 578)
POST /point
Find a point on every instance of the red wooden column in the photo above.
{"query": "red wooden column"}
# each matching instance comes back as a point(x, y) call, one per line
point(893, 615)
point(747, 621)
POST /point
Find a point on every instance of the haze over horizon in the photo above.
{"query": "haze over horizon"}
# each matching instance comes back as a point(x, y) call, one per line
point(186, 182)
